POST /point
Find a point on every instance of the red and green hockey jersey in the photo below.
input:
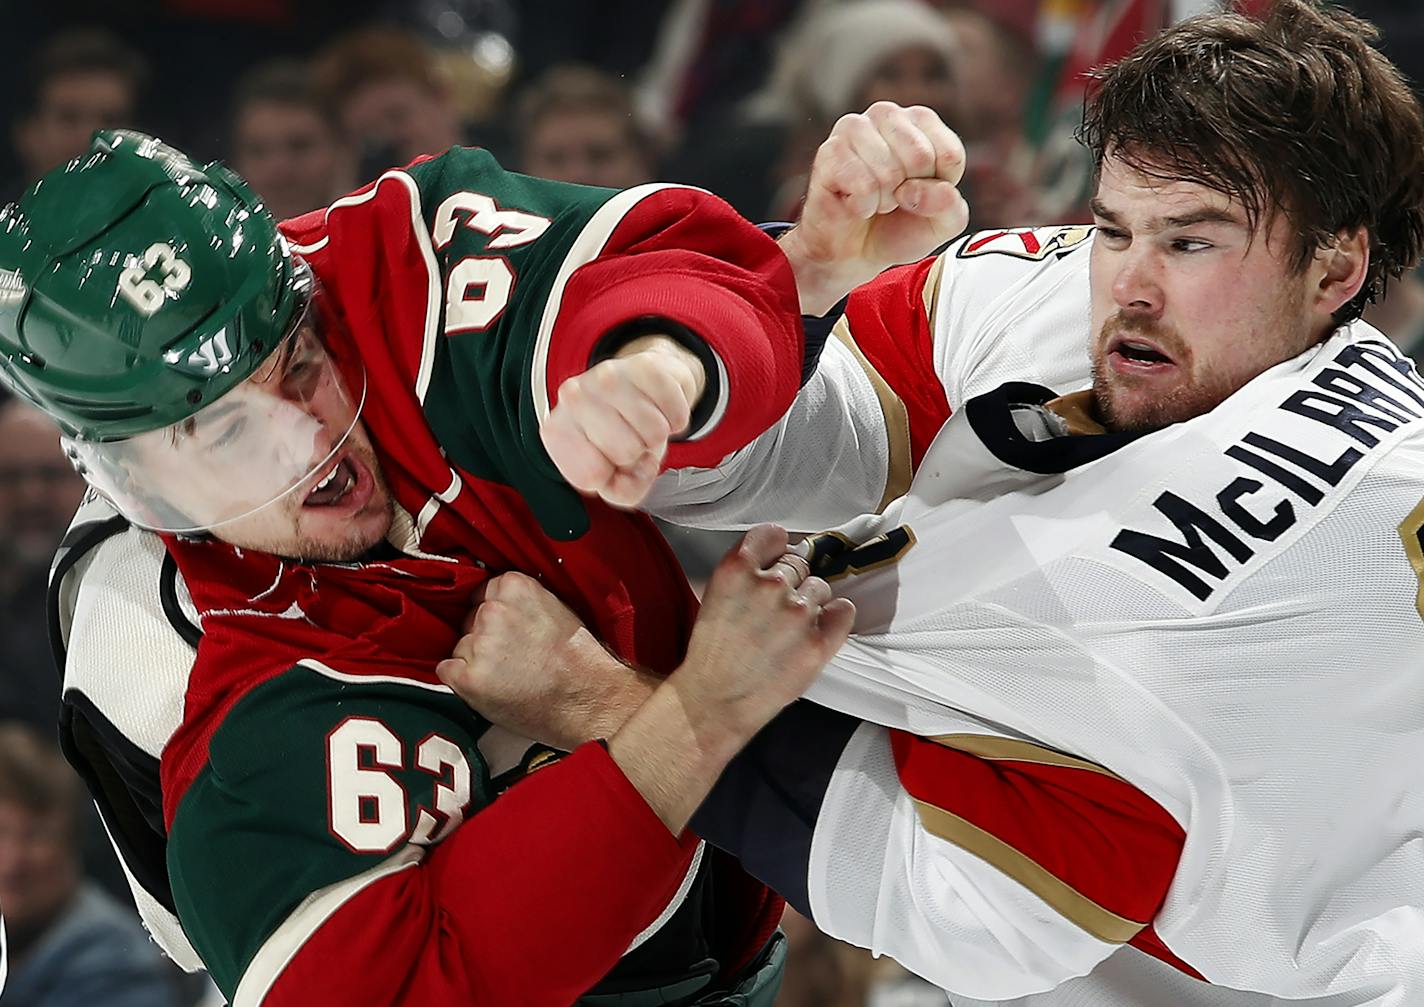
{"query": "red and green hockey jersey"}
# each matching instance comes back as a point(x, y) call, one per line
point(328, 802)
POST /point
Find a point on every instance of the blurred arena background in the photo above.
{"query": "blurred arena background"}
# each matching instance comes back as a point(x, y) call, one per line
point(309, 99)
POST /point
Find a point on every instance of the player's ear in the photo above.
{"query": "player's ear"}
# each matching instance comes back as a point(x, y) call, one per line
point(1341, 268)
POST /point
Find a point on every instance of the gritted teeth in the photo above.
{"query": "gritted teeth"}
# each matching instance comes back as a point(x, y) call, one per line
point(333, 486)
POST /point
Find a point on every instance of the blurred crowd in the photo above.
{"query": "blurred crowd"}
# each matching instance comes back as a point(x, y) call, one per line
point(310, 100)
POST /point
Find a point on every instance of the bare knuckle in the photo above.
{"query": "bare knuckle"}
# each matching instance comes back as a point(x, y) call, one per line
point(624, 454)
point(918, 151)
point(657, 429)
point(515, 585)
point(606, 378)
point(572, 393)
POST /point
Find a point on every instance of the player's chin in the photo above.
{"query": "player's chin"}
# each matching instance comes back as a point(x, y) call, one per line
point(1131, 408)
point(329, 537)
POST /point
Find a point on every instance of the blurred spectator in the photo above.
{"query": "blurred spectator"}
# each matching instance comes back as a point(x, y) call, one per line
point(285, 144)
point(994, 70)
point(39, 492)
point(576, 124)
point(70, 944)
point(841, 59)
point(391, 96)
point(994, 73)
point(78, 82)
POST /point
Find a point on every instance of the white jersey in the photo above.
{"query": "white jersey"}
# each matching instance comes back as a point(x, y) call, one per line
point(1226, 615)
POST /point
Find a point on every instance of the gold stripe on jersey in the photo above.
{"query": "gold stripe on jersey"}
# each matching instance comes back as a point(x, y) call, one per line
point(1079, 411)
point(994, 748)
point(1070, 903)
point(897, 421)
point(1409, 532)
point(931, 292)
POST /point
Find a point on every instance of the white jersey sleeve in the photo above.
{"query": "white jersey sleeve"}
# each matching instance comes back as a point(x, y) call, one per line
point(913, 345)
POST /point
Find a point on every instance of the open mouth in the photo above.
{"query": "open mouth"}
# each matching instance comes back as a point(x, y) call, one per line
point(333, 487)
point(1140, 353)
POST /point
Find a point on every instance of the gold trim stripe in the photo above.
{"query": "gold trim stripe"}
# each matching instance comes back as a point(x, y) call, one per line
point(1409, 533)
point(897, 421)
point(931, 293)
point(1070, 903)
point(985, 746)
point(1078, 410)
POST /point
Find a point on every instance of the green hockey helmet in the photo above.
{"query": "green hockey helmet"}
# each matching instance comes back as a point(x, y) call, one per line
point(137, 286)
point(136, 290)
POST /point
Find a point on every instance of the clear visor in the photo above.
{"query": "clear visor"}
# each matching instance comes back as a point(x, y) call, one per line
point(277, 434)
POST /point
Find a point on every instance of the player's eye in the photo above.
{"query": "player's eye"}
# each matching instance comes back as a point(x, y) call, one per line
point(231, 434)
point(1113, 235)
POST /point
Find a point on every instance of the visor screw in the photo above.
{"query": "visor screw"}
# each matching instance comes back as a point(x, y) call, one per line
point(194, 396)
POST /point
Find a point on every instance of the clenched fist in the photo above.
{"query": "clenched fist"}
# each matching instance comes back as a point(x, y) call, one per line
point(609, 430)
point(883, 191)
point(528, 664)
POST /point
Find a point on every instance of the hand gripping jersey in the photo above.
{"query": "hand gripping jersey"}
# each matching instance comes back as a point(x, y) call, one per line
point(314, 773)
point(1166, 691)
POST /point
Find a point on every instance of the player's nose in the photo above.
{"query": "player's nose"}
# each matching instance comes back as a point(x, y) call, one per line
point(1137, 283)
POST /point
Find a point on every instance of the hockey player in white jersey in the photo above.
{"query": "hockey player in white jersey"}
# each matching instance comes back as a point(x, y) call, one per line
point(1139, 666)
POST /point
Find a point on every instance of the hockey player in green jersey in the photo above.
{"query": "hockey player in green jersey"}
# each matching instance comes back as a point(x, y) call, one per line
point(339, 432)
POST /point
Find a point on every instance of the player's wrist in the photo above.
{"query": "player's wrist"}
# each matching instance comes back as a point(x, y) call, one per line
point(688, 368)
point(620, 694)
point(821, 282)
point(673, 752)
point(723, 720)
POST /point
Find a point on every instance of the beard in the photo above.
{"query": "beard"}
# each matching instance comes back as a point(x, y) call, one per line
point(1195, 391)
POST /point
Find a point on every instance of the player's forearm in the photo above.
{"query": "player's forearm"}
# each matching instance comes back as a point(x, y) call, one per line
point(570, 859)
point(672, 749)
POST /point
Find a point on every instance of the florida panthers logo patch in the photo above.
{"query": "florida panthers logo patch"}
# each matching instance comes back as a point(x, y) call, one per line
point(1025, 242)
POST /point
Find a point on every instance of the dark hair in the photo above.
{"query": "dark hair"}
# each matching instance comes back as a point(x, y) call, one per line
point(278, 82)
point(572, 88)
point(1295, 113)
point(374, 53)
point(34, 775)
point(85, 50)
